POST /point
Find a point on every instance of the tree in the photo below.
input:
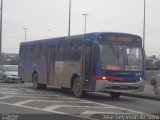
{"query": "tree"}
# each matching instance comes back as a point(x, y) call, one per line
point(13, 61)
point(153, 57)
point(149, 64)
point(157, 64)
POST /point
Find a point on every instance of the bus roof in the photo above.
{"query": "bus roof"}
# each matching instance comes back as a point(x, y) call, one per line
point(91, 36)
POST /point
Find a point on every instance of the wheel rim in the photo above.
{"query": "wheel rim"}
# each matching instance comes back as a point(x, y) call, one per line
point(77, 87)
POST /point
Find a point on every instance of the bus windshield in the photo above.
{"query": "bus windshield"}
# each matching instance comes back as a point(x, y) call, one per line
point(121, 57)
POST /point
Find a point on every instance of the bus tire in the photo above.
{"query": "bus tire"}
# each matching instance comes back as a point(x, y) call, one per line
point(77, 88)
point(44, 86)
point(115, 95)
point(37, 85)
point(65, 89)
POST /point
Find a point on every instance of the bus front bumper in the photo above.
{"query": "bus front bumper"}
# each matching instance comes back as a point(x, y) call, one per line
point(105, 86)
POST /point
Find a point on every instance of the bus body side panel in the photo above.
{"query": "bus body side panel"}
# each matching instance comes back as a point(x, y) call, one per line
point(97, 73)
point(25, 70)
point(64, 72)
point(21, 71)
point(42, 72)
point(51, 64)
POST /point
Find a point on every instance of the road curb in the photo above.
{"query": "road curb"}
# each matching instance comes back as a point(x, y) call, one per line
point(151, 97)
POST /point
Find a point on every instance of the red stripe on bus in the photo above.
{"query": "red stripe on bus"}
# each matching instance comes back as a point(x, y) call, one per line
point(106, 78)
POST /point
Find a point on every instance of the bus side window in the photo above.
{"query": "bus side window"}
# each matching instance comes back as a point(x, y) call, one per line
point(26, 53)
point(22, 52)
point(71, 49)
point(78, 47)
point(36, 52)
point(43, 52)
point(79, 52)
point(32, 50)
point(75, 49)
point(65, 50)
point(59, 55)
point(62, 50)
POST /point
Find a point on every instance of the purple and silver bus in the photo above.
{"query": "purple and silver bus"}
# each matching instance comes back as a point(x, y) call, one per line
point(93, 62)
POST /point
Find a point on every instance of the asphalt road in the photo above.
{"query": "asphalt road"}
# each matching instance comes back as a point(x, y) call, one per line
point(9, 112)
point(58, 104)
point(137, 104)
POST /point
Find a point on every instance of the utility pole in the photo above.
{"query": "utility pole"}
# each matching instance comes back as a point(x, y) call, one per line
point(1, 33)
point(144, 24)
point(85, 23)
point(25, 29)
point(69, 25)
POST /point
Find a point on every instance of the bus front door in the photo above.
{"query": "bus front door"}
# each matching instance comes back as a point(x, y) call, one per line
point(88, 66)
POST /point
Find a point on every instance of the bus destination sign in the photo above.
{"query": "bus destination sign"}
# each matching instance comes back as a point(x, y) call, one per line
point(116, 39)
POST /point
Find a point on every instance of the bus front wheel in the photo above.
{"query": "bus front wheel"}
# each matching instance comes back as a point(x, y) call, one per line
point(77, 88)
point(115, 95)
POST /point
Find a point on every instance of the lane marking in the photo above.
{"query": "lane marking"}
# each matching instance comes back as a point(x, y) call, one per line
point(33, 97)
point(23, 102)
point(31, 108)
point(107, 105)
point(102, 104)
point(121, 108)
point(5, 97)
point(56, 112)
point(65, 101)
point(53, 107)
point(93, 112)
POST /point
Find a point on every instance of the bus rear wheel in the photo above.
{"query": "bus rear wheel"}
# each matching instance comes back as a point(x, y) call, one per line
point(35, 80)
point(37, 85)
point(77, 88)
point(115, 95)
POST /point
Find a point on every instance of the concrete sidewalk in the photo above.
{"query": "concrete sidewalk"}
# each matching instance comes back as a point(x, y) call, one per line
point(148, 93)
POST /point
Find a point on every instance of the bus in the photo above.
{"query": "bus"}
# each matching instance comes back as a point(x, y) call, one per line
point(109, 62)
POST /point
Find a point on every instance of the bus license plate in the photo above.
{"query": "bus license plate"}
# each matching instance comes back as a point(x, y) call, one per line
point(124, 86)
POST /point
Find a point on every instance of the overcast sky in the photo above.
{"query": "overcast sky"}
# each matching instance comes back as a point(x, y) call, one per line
point(49, 18)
